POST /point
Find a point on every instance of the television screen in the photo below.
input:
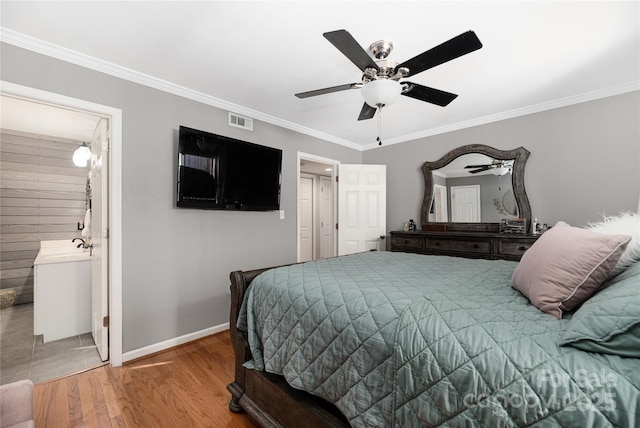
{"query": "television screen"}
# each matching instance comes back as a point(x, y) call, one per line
point(217, 172)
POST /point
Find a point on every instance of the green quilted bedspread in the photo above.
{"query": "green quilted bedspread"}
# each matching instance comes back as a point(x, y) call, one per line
point(407, 340)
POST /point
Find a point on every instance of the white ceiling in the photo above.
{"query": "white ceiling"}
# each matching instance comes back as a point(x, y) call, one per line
point(252, 57)
point(42, 119)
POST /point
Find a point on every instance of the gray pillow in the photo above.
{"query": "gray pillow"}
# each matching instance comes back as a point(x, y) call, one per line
point(609, 322)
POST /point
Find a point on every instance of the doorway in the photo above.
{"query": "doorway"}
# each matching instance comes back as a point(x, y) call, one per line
point(439, 212)
point(113, 210)
point(317, 207)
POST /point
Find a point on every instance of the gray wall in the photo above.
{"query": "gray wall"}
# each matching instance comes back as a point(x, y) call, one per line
point(176, 262)
point(585, 160)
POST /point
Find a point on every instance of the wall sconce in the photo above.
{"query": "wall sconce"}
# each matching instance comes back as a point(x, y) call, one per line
point(82, 155)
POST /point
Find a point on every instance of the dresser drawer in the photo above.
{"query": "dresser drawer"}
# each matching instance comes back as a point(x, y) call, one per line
point(514, 248)
point(414, 242)
point(477, 245)
point(460, 245)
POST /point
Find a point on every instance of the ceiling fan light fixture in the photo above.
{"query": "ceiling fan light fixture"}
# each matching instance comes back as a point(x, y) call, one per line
point(499, 171)
point(381, 92)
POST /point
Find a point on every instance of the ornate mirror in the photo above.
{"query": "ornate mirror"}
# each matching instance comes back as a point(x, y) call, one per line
point(473, 187)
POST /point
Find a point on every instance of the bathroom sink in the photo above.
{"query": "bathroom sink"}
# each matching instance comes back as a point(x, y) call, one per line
point(62, 257)
point(65, 256)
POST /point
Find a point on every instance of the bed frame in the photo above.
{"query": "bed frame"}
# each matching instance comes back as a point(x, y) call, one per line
point(268, 398)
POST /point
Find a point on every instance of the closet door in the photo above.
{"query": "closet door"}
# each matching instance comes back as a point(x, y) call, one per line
point(465, 204)
point(305, 208)
point(327, 223)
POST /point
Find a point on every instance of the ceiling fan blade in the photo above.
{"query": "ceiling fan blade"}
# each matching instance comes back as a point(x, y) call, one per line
point(475, 171)
point(329, 90)
point(367, 112)
point(430, 95)
point(451, 49)
point(350, 48)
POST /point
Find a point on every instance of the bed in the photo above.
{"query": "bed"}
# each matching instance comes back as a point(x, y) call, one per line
point(383, 339)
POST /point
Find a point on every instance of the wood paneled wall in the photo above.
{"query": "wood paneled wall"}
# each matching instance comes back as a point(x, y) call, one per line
point(42, 198)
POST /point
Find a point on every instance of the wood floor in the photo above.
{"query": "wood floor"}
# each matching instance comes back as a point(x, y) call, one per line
point(181, 387)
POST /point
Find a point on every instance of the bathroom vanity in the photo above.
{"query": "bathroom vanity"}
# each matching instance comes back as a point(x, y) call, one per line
point(62, 291)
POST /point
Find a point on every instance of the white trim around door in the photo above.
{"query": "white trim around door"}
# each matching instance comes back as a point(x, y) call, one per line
point(114, 116)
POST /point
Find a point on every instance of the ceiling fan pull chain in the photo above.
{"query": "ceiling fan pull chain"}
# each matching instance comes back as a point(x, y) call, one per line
point(379, 139)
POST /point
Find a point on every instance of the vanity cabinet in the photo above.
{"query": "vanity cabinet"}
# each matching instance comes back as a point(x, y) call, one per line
point(482, 245)
point(62, 291)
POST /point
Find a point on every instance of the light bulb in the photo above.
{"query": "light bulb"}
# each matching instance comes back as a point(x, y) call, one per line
point(78, 160)
point(82, 155)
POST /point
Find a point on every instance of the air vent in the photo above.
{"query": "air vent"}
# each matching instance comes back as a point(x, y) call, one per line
point(238, 121)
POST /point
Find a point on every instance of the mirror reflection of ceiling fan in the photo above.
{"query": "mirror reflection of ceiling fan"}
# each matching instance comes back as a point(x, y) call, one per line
point(497, 167)
point(381, 77)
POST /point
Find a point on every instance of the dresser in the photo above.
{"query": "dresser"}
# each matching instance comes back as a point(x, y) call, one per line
point(480, 245)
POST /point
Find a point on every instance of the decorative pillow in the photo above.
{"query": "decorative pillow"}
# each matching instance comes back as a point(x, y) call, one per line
point(565, 266)
point(626, 223)
point(609, 322)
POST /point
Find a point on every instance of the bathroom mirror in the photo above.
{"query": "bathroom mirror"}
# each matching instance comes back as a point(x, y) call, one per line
point(473, 187)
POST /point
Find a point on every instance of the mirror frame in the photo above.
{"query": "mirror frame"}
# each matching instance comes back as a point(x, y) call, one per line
point(519, 155)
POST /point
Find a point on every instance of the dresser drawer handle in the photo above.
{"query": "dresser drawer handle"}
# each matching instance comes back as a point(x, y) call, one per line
point(437, 244)
point(475, 245)
point(406, 241)
point(522, 248)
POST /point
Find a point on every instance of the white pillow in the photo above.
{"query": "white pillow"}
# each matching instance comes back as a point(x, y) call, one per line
point(626, 223)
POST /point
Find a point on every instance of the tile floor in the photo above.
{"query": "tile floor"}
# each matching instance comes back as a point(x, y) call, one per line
point(24, 356)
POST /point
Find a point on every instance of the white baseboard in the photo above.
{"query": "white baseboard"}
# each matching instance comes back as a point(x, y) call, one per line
point(176, 341)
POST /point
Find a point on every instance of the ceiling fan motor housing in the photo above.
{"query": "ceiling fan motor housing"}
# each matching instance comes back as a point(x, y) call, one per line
point(381, 49)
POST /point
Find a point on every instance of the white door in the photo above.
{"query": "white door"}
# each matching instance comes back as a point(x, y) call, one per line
point(362, 200)
point(327, 222)
point(465, 204)
point(100, 239)
point(305, 208)
point(440, 203)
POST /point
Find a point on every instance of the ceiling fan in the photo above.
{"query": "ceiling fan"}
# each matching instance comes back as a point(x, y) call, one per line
point(497, 167)
point(380, 84)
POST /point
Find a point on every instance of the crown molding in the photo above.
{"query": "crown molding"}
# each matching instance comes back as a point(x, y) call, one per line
point(55, 51)
point(562, 102)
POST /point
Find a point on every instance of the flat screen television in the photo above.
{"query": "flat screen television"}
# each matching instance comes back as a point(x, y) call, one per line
point(222, 173)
